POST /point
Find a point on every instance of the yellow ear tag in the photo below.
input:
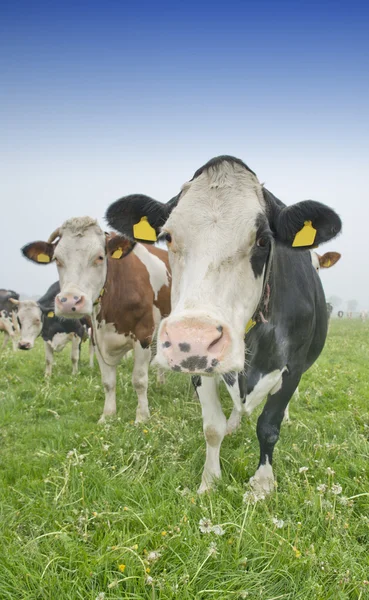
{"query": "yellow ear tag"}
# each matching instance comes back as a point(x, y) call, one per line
point(51, 314)
point(306, 235)
point(327, 263)
point(250, 325)
point(117, 253)
point(144, 231)
point(43, 258)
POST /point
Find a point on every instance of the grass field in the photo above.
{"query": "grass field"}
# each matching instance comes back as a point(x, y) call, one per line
point(111, 512)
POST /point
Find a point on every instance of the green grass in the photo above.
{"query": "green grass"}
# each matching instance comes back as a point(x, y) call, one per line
point(78, 500)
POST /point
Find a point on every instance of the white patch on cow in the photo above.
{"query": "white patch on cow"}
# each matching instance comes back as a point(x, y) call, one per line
point(268, 384)
point(156, 268)
point(315, 260)
point(213, 230)
point(60, 340)
point(234, 420)
point(262, 482)
point(111, 344)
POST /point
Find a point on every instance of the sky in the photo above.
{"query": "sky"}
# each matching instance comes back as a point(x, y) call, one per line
point(103, 99)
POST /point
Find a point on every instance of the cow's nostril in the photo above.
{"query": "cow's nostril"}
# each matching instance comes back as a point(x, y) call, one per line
point(220, 329)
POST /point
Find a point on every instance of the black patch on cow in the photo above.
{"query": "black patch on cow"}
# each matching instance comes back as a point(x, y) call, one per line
point(214, 362)
point(242, 385)
point(166, 345)
point(184, 347)
point(229, 378)
point(193, 363)
point(145, 344)
point(176, 368)
point(209, 370)
point(216, 162)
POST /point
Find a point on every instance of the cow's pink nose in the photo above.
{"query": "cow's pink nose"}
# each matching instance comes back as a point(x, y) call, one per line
point(194, 346)
point(68, 303)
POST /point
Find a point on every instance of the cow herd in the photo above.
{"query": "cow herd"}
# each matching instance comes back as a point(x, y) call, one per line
point(236, 297)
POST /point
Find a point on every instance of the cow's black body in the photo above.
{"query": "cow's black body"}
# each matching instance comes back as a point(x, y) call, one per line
point(5, 304)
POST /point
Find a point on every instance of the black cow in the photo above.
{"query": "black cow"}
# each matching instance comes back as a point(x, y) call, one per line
point(38, 319)
point(239, 261)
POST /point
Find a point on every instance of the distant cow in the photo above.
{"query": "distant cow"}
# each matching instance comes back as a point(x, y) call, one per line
point(7, 317)
point(38, 319)
point(123, 286)
point(238, 261)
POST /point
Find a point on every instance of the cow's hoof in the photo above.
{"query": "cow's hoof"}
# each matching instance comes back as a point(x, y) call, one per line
point(142, 417)
point(262, 483)
point(103, 419)
point(233, 422)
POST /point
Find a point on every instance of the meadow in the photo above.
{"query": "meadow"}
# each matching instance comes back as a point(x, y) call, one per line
point(103, 512)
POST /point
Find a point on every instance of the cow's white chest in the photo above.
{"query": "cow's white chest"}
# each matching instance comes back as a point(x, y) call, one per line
point(110, 343)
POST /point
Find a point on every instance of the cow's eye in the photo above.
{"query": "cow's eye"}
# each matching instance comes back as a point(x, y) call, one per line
point(99, 259)
point(262, 242)
point(165, 237)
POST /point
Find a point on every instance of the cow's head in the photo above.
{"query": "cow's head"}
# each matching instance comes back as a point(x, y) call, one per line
point(29, 318)
point(80, 249)
point(324, 261)
point(220, 231)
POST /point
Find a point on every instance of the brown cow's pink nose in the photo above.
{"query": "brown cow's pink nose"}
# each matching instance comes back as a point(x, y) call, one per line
point(194, 346)
point(68, 303)
point(24, 346)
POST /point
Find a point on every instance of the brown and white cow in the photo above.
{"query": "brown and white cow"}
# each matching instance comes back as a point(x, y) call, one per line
point(122, 285)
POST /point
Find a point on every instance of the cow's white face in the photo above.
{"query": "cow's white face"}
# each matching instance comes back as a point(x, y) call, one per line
point(30, 322)
point(82, 265)
point(218, 239)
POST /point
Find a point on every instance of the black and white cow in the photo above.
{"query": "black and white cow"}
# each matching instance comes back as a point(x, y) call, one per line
point(238, 262)
point(8, 322)
point(39, 319)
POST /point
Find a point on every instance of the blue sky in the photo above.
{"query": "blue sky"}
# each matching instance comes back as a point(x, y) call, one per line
point(101, 99)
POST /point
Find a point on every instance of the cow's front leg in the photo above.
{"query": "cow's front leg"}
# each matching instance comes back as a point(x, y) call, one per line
point(140, 379)
point(109, 378)
point(76, 347)
point(268, 428)
point(6, 339)
point(49, 355)
point(232, 385)
point(91, 352)
point(214, 426)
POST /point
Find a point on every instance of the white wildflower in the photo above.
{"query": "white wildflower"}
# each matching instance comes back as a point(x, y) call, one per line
point(343, 500)
point(279, 523)
point(106, 447)
point(100, 596)
point(252, 497)
point(330, 471)
point(303, 469)
point(205, 525)
point(336, 489)
point(153, 556)
point(321, 488)
point(218, 530)
point(212, 551)
point(149, 580)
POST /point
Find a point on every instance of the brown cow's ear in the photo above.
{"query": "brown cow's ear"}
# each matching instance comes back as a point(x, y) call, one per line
point(329, 259)
point(119, 246)
point(39, 252)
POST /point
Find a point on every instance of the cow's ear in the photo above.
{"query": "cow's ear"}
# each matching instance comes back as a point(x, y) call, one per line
point(119, 246)
point(329, 259)
point(39, 252)
point(139, 217)
point(306, 224)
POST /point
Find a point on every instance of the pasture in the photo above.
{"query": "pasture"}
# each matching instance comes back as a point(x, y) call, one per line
point(93, 512)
